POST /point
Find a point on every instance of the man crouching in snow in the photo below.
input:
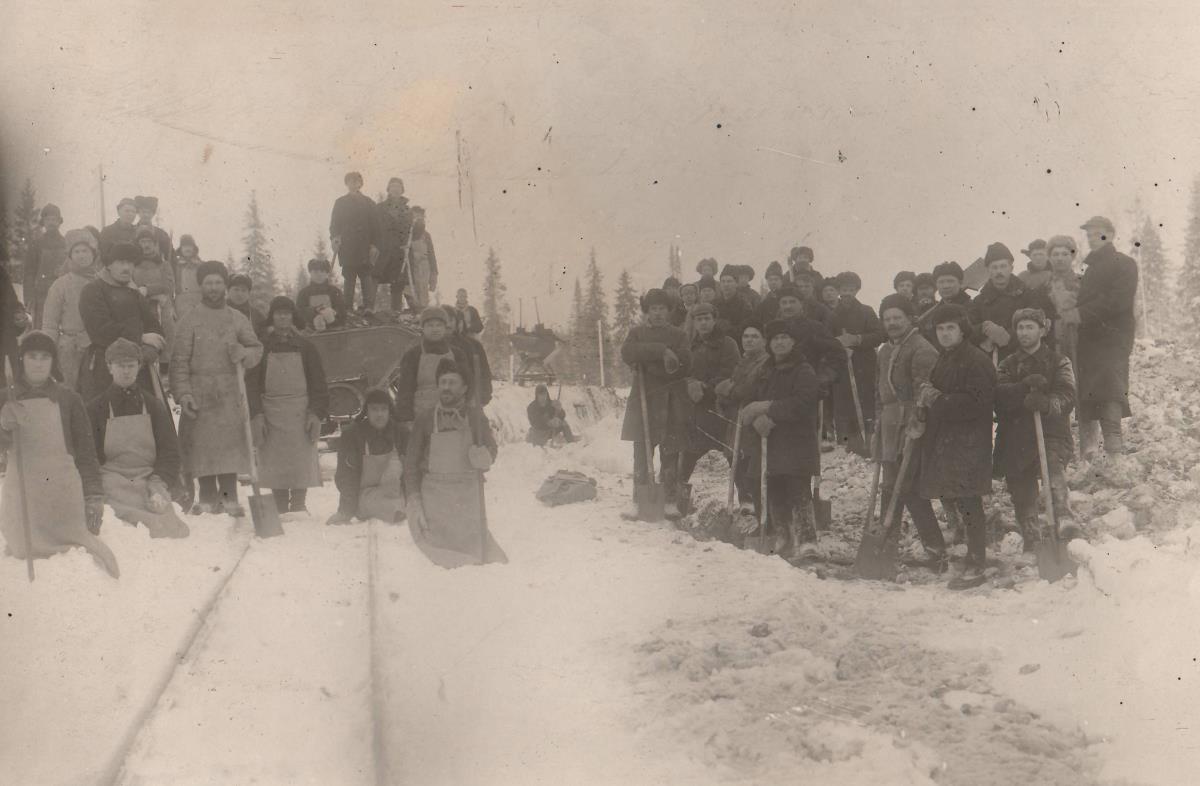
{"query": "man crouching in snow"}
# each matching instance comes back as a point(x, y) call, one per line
point(369, 465)
point(1034, 379)
point(449, 450)
point(660, 351)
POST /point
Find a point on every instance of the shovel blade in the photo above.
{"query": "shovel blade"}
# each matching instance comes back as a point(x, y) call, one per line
point(876, 558)
point(823, 512)
point(650, 499)
point(1054, 561)
point(265, 516)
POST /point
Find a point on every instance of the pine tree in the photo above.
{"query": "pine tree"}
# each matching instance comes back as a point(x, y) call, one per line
point(1189, 276)
point(675, 262)
point(299, 281)
point(577, 339)
point(257, 263)
point(496, 314)
point(321, 251)
point(1153, 278)
point(625, 314)
point(595, 307)
point(23, 228)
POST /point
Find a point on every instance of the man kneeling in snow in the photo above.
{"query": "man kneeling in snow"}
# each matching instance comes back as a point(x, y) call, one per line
point(369, 465)
point(1034, 379)
point(449, 450)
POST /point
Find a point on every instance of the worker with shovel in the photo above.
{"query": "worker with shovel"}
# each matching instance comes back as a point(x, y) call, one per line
point(714, 356)
point(904, 364)
point(734, 393)
point(857, 329)
point(1034, 379)
point(656, 415)
point(52, 496)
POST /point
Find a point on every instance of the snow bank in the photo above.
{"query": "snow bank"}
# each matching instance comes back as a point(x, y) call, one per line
point(584, 406)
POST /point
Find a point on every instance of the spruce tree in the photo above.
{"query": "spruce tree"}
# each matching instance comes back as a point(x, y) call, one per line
point(22, 229)
point(257, 262)
point(626, 309)
point(675, 262)
point(321, 251)
point(496, 313)
point(1153, 277)
point(578, 339)
point(1189, 276)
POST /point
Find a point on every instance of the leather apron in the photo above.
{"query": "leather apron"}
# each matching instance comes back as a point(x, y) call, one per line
point(55, 504)
point(287, 458)
point(426, 395)
point(129, 454)
point(379, 495)
point(451, 494)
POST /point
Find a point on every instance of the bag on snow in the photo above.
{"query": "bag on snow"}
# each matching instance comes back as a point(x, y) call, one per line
point(565, 487)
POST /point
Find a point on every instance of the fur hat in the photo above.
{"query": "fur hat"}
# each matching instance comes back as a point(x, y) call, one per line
point(925, 280)
point(729, 271)
point(430, 313)
point(896, 300)
point(904, 275)
point(127, 201)
point(829, 282)
point(123, 252)
point(948, 269)
point(746, 270)
point(51, 210)
point(1033, 314)
point(377, 396)
point(849, 278)
point(1061, 240)
point(213, 267)
point(950, 312)
point(447, 366)
point(806, 275)
point(754, 322)
point(37, 340)
point(670, 282)
point(997, 251)
point(280, 303)
point(145, 231)
point(188, 240)
point(774, 269)
point(788, 290)
point(656, 297)
point(122, 349)
point(146, 203)
point(777, 326)
point(76, 236)
point(799, 252)
point(236, 280)
point(706, 262)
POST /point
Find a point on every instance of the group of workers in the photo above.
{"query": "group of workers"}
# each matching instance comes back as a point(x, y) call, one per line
point(718, 364)
point(100, 343)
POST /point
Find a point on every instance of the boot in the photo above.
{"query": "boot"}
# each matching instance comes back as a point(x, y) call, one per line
point(955, 523)
point(1030, 530)
point(804, 533)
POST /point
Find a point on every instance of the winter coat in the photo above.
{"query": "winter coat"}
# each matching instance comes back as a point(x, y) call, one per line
point(998, 306)
point(1016, 437)
point(116, 232)
point(792, 388)
point(314, 373)
point(956, 449)
point(410, 365)
point(768, 307)
point(902, 367)
point(395, 221)
point(732, 315)
point(751, 297)
point(476, 356)
point(540, 415)
point(314, 295)
point(119, 402)
point(44, 262)
point(858, 320)
point(62, 316)
point(1036, 280)
point(667, 403)
point(187, 288)
point(925, 318)
point(257, 319)
point(77, 430)
point(1064, 293)
point(355, 220)
point(110, 311)
point(1106, 329)
point(714, 358)
point(422, 255)
point(358, 439)
point(165, 249)
point(471, 320)
point(679, 314)
point(823, 351)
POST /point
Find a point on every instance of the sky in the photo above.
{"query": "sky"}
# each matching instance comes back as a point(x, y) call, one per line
point(885, 135)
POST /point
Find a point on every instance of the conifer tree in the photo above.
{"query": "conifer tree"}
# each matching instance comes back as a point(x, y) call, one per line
point(496, 313)
point(1189, 276)
point(626, 309)
point(22, 229)
point(1153, 276)
point(257, 262)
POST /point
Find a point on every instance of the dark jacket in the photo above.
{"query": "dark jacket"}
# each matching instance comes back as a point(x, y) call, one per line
point(925, 318)
point(314, 373)
point(714, 358)
point(471, 320)
point(751, 297)
point(859, 320)
point(410, 364)
point(134, 401)
point(1106, 329)
point(110, 311)
point(165, 249)
point(791, 387)
point(395, 226)
point(355, 220)
point(540, 415)
point(1016, 438)
point(956, 449)
point(476, 356)
point(732, 315)
point(822, 350)
point(76, 427)
point(996, 305)
point(358, 439)
point(258, 320)
point(44, 258)
point(901, 369)
point(116, 232)
point(305, 309)
point(768, 307)
point(679, 314)
point(667, 403)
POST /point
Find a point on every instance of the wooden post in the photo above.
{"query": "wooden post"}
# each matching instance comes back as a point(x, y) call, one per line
point(600, 341)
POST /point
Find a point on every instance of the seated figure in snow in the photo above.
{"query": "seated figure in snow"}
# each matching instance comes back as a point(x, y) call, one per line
point(547, 419)
point(369, 466)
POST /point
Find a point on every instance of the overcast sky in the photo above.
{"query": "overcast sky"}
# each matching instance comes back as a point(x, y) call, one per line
point(885, 135)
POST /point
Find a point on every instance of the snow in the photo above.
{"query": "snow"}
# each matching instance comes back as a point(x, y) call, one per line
point(610, 651)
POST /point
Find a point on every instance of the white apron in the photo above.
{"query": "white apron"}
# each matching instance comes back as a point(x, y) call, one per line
point(427, 390)
point(129, 454)
point(214, 440)
point(452, 497)
point(379, 495)
point(287, 458)
point(55, 504)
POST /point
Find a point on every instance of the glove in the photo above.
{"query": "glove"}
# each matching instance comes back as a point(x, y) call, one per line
point(849, 340)
point(724, 387)
point(237, 353)
point(338, 518)
point(187, 405)
point(258, 430)
point(927, 395)
point(93, 513)
point(10, 415)
point(149, 354)
point(915, 427)
point(312, 427)
point(21, 319)
point(754, 410)
point(670, 361)
point(480, 457)
point(318, 321)
point(154, 340)
point(996, 334)
point(695, 390)
point(1037, 402)
point(1036, 382)
point(158, 497)
point(145, 292)
point(763, 425)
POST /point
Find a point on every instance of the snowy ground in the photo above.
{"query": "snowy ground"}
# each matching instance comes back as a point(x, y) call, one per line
point(608, 651)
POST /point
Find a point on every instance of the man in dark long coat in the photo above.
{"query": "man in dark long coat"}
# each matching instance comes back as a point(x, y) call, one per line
point(858, 329)
point(661, 352)
point(354, 235)
point(1104, 310)
point(714, 357)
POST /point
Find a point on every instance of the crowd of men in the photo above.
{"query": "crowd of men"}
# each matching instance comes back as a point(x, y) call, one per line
point(804, 361)
point(118, 327)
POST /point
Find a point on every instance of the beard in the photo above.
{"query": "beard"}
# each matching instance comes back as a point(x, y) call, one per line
point(213, 300)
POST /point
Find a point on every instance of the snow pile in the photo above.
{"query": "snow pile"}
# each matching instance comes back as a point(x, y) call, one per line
point(584, 406)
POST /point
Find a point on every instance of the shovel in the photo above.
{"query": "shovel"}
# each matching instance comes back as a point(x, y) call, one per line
point(761, 545)
point(263, 512)
point(822, 508)
point(649, 497)
point(1053, 559)
point(876, 559)
point(727, 517)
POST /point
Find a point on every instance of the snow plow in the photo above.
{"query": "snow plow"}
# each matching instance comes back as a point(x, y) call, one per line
point(357, 359)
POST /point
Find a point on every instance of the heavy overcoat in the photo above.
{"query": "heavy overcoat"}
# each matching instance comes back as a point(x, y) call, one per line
point(956, 448)
point(666, 393)
point(1106, 329)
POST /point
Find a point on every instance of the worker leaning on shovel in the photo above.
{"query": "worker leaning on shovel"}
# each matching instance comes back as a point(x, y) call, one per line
point(54, 480)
